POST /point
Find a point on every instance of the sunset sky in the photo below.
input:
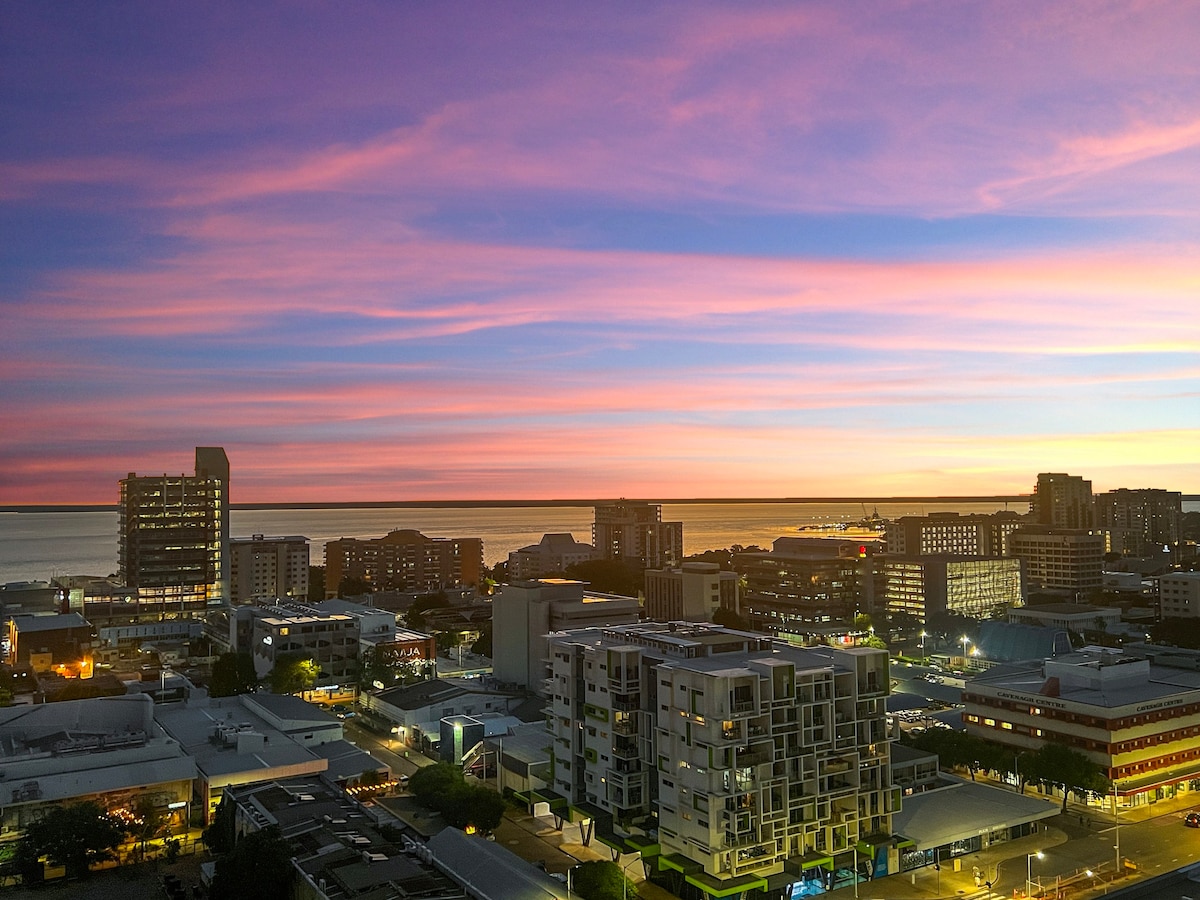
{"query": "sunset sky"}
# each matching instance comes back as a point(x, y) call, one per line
point(404, 251)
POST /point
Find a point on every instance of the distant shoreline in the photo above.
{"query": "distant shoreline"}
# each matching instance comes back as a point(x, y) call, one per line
point(527, 504)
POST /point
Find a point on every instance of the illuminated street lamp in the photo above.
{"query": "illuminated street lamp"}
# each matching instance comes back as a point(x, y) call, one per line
point(1029, 870)
point(924, 635)
point(624, 880)
point(965, 640)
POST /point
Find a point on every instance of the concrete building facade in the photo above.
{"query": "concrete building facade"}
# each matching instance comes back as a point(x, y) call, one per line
point(173, 547)
point(806, 581)
point(1139, 522)
point(948, 532)
point(524, 613)
point(1179, 595)
point(404, 560)
point(1059, 559)
point(691, 593)
point(549, 556)
point(633, 532)
point(1063, 501)
point(760, 759)
point(1137, 720)
point(274, 568)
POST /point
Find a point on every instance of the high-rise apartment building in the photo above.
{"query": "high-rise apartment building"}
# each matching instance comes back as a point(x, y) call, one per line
point(759, 758)
point(1139, 522)
point(634, 532)
point(691, 593)
point(1062, 501)
point(268, 567)
point(174, 537)
point(552, 555)
point(404, 560)
point(949, 532)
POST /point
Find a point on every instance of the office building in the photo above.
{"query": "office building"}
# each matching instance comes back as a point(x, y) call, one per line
point(270, 631)
point(405, 561)
point(1139, 522)
point(949, 532)
point(806, 581)
point(1059, 559)
point(691, 593)
point(1136, 719)
point(65, 644)
point(273, 568)
point(523, 614)
point(552, 555)
point(924, 586)
point(1179, 595)
point(1062, 501)
point(760, 759)
point(174, 538)
point(633, 532)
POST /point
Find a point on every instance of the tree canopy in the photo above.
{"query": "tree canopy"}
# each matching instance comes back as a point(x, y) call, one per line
point(601, 880)
point(75, 837)
point(259, 867)
point(1057, 765)
point(293, 673)
point(232, 674)
point(443, 788)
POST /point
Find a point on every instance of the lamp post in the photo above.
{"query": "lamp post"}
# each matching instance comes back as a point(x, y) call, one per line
point(1116, 831)
point(624, 880)
point(856, 871)
point(1029, 870)
point(965, 640)
point(924, 634)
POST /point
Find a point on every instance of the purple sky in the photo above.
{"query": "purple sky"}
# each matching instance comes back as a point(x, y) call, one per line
point(416, 251)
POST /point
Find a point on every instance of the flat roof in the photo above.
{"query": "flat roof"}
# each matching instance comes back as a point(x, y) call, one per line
point(963, 809)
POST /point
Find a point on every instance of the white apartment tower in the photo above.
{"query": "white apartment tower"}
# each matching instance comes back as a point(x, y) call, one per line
point(758, 757)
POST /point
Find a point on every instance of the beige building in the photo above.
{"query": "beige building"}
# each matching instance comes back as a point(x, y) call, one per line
point(1059, 559)
point(404, 560)
point(274, 568)
point(523, 613)
point(549, 556)
point(691, 593)
point(1179, 595)
point(1063, 501)
point(760, 759)
point(633, 532)
point(1139, 522)
point(1136, 719)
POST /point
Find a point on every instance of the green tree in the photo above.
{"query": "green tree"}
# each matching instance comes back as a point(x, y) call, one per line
point(232, 674)
point(729, 619)
point(601, 880)
point(609, 576)
point(442, 787)
point(221, 834)
point(293, 673)
point(1057, 765)
point(259, 867)
point(75, 837)
point(415, 616)
point(149, 821)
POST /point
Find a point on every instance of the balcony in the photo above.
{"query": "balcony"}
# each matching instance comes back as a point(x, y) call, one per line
point(625, 726)
point(753, 758)
point(625, 702)
point(625, 748)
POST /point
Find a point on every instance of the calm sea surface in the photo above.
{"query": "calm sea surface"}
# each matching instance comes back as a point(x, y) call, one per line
point(37, 546)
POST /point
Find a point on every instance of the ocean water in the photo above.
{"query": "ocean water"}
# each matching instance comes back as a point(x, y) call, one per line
point(40, 545)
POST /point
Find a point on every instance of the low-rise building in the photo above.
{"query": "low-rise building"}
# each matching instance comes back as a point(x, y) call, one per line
point(690, 593)
point(64, 644)
point(1179, 595)
point(415, 711)
point(1073, 617)
point(256, 738)
point(549, 556)
point(1137, 720)
point(107, 749)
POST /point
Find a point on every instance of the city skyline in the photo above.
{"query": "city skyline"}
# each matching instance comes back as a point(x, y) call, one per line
point(442, 252)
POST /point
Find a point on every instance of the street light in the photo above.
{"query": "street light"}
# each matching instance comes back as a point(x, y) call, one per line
point(624, 880)
point(965, 640)
point(924, 634)
point(1029, 870)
